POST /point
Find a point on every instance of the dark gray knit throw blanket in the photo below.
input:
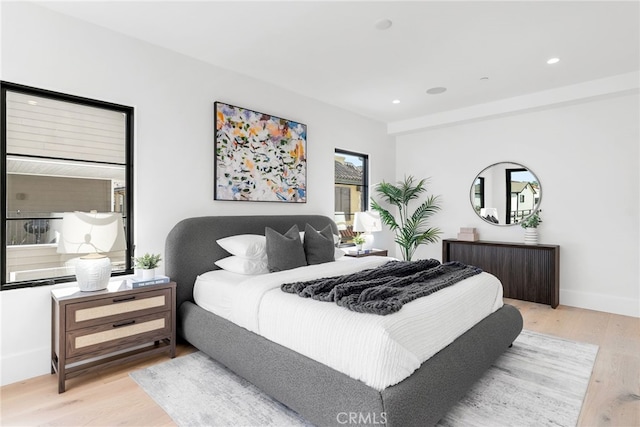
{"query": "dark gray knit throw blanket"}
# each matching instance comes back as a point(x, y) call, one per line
point(385, 289)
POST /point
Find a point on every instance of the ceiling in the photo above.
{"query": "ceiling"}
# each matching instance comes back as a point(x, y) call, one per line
point(481, 51)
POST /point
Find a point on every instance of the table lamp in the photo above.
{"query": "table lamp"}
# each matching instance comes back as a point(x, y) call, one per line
point(92, 234)
point(367, 222)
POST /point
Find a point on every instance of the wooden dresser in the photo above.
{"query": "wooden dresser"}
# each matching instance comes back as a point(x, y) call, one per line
point(527, 272)
point(94, 330)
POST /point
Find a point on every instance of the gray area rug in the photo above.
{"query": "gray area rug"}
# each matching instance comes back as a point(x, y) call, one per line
point(540, 381)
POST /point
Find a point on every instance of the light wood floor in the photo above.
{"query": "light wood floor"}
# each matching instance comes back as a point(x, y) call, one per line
point(111, 398)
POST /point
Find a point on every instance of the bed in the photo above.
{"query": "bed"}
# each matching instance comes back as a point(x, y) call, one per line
point(319, 393)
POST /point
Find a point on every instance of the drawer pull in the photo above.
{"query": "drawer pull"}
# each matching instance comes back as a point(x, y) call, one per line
point(132, 297)
point(121, 324)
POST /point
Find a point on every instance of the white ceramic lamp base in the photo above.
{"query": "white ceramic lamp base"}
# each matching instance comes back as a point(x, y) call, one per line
point(368, 241)
point(93, 272)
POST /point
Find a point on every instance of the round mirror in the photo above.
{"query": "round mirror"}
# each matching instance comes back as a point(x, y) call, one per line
point(505, 193)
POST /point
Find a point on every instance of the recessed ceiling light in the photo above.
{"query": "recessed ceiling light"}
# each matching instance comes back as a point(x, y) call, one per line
point(436, 90)
point(383, 24)
point(395, 101)
point(31, 102)
point(553, 61)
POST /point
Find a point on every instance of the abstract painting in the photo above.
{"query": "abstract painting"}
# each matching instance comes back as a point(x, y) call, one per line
point(259, 157)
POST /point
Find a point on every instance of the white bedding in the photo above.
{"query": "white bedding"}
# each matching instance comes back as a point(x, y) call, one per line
point(377, 350)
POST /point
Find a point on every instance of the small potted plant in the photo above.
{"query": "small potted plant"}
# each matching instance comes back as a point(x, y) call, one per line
point(359, 240)
point(147, 264)
point(530, 225)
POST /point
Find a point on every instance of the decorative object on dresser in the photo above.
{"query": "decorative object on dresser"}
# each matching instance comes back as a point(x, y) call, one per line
point(505, 188)
point(530, 225)
point(367, 222)
point(468, 233)
point(258, 157)
point(527, 272)
point(93, 331)
point(147, 265)
point(94, 234)
point(411, 230)
point(366, 252)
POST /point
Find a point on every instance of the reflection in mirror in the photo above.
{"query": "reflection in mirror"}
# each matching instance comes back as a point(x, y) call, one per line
point(505, 193)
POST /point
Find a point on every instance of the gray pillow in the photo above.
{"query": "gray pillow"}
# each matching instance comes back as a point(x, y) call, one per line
point(284, 252)
point(318, 245)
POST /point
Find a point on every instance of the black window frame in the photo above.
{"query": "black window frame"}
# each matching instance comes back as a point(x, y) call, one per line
point(365, 175)
point(507, 174)
point(480, 192)
point(128, 220)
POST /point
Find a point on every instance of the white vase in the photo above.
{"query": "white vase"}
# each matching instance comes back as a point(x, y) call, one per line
point(359, 247)
point(530, 236)
point(148, 273)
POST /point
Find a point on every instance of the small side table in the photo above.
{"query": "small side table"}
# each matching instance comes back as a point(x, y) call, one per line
point(93, 325)
point(367, 252)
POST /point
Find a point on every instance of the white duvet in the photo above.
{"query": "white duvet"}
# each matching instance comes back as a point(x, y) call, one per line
point(378, 350)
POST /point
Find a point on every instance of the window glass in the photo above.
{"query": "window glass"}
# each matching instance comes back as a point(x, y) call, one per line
point(351, 190)
point(60, 154)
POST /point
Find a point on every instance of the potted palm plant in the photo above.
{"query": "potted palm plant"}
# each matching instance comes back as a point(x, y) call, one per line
point(411, 230)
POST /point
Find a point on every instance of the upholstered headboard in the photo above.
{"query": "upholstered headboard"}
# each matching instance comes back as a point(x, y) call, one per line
point(191, 247)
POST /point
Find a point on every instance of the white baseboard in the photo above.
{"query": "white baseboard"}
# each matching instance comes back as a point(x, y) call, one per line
point(34, 363)
point(22, 366)
point(601, 302)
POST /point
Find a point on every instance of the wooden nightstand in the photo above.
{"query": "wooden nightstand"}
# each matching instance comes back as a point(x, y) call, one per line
point(87, 325)
point(368, 252)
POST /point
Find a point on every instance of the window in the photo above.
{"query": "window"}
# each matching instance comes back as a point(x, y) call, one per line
point(60, 153)
point(351, 190)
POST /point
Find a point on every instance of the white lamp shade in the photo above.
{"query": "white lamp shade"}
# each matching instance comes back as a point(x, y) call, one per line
point(91, 232)
point(367, 222)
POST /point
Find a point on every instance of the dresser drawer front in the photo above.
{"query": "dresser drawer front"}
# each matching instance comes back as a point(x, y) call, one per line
point(114, 336)
point(107, 310)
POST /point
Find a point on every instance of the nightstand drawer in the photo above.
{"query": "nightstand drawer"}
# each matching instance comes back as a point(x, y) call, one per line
point(106, 338)
point(116, 307)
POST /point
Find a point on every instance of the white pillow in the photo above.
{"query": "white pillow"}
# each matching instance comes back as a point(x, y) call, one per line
point(245, 245)
point(339, 253)
point(240, 265)
point(336, 238)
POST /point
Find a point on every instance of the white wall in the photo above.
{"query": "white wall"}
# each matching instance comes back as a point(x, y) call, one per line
point(587, 151)
point(173, 98)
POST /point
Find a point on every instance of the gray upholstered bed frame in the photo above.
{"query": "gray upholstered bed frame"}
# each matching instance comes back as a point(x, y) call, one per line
point(318, 393)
